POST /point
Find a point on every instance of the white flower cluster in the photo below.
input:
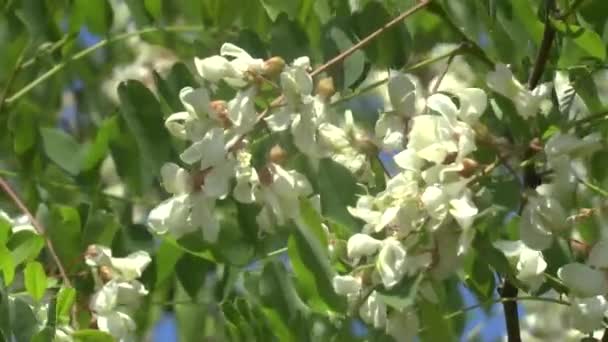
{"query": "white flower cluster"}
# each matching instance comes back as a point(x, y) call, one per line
point(218, 152)
point(117, 289)
point(426, 212)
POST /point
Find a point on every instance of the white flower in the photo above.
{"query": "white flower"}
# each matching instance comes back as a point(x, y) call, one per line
point(118, 324)
point(567, 144)
point(209, 150)
point(234, 71)
point(439, 200)
point(373, 311)
point(541, 217)
point(247, 181)
point(203, 216)
point(346, 285)
point(391, 262)
point(530, 264)
point(403, 326)
point(171, 216)
point(582, 280)
point(598, 256)
point(404, 98)
point(175, 179)
point(360, 245)
point(132, 266)
point(527, 103)
point(242, 113)
point(588, 314)
point(282, 195)
point(408, 160)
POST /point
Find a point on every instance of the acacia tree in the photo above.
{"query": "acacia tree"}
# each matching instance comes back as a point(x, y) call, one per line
point(302, 170)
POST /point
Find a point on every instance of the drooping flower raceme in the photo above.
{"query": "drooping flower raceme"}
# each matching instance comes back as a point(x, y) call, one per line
point(117, 289)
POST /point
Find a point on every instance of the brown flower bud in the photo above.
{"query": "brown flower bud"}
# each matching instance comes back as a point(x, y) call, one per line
point(220, 109)
point(580, 249)
point(325, 87)
point(273, 66)
point(105, 273)
point(469, 166)
point(277, 154)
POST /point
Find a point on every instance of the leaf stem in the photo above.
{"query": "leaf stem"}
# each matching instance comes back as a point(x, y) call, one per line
point(339, 58)
point(39, 228)
point(85, 52)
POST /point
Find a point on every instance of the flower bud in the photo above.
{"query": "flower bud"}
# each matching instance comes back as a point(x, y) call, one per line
point(105, 273)
point(325, 87)
point(277, 155)
point(273, 66)
point(220, 112)
point(469, 166)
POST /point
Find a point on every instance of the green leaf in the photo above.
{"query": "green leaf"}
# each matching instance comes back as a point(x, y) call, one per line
point(64, 231)
point(436, 328)
point(7, 265)
point(388, 50)
point(65, 300)
point(141, 111)
point(403, 295)
point(587, 40)
point(276, 7)
point(90, 335)
point(24, 323)
point(165, 259)
point(23, 126)
point(62, 149)
point(101, 227)
point(25, 245)
point(307, 249)
point(179, 77)
point(5, 313)
point(354, 65)
point(154, 7)
point(97, 15)
point(478, 276)
point(192, 281)
point(94, 153)
point(35, 280)
point(338, 190)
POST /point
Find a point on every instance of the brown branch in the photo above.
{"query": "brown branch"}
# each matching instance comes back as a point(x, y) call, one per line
point(39, 228)
point(508, 292)
point(545, 47)
point(370, 37)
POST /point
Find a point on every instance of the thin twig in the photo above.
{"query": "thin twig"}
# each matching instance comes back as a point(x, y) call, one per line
point(370, 37)
point(39, 228)
point(545, 47)
point(83, 53)
point(12, 77)
point(454, 52)
point(445, 72)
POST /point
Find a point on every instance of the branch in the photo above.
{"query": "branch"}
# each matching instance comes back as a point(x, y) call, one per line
point(545, 47)
point(339, 58)
point(83, 53)
point(39, 228)
point(508, 293)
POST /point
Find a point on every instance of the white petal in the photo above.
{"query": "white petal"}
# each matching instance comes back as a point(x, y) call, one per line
point(210, 150)
point(583, 280)
point(214, 68)
point(588, 314)
point(117, 324)
point(473, 102)
point(176, 124)
point(598, 257)
point(196, 101)
point(373, 311)
point(408, 160)
point(391, 262)
point(435, 202)
point(345, 285)
point(402, 93)
point(279, 120)
point(463, 210)
point(176, 180)
point(443, 105)
point(131, 266)
point(360, 245)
